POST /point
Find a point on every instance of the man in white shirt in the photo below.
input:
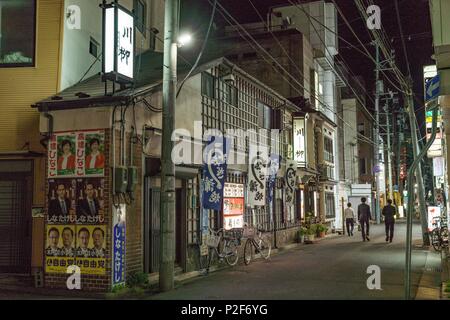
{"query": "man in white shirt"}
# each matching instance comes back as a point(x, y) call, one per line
point(349, 215)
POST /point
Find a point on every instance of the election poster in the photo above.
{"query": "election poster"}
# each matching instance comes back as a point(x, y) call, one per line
point(61, 201)
point(84, 246)
point(76, 154)
point(90, 206)
point(119, 232)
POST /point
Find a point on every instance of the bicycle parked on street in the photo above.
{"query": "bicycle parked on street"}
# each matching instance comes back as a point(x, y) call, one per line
point(222, 245)
point(439, 234)
point(256, 243)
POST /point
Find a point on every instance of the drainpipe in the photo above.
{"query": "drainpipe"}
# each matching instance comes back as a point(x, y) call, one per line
point(50, 129)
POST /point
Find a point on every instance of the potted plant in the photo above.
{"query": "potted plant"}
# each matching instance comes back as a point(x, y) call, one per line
point(321, 230)
point(311, 232)
point(301, 233)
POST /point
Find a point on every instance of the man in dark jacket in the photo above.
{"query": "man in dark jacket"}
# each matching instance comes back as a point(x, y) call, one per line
point(389, 220)
point(364, 218)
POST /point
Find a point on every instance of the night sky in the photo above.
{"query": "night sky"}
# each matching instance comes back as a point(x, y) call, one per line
point(415, 21)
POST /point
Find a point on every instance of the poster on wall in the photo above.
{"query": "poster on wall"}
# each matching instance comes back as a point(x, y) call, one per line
point(62, 201)
point(76, 154)
point(90, 201)
point(233, 206)
point(79, 201)
point(257, 172)
point(81, 245)
point(119, 233)
point(95, 153)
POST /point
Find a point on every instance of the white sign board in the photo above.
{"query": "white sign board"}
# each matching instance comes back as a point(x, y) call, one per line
point(300, 141)
point(121, 52)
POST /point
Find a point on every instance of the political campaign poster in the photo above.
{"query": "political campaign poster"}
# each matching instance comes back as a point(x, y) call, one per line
point(61, 201)
point(76, 154)
point(95, 153)
point(118, 244)
point(90, 201)
point(84, 246)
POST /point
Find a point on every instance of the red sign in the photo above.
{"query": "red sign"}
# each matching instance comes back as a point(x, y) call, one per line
point(233, 206)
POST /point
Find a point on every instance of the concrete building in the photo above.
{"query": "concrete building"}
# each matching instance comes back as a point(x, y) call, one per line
point(57, 47)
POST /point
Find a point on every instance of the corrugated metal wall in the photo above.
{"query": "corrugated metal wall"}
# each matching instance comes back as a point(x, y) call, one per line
point(21, 87)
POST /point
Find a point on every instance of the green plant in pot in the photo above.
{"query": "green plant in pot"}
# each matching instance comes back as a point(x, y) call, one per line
point(301, 233)
point(321, 230)
point(312, 231)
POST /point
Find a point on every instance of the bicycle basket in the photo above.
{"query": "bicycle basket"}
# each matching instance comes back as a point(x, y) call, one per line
point(212, 241)
point(249, 232)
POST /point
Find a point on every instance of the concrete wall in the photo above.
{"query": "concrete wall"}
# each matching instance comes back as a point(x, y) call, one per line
point(76, 59)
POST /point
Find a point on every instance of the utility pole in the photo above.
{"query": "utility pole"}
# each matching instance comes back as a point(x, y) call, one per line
point(378, 91)
point(167, 208)
point(386, 109)
point(419, 179)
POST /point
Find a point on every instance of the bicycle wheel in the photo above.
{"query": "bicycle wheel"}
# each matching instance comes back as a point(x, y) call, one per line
point(248, 251)
point(266, 247)
point(231, 253)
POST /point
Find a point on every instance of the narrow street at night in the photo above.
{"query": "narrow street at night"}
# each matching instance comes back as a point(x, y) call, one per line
point(333, 268)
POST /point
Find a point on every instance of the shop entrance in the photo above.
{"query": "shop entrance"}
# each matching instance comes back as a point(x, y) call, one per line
point(15, 216)
point(152, 228)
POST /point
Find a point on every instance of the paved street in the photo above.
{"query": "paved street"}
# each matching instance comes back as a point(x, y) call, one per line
point(331, 269)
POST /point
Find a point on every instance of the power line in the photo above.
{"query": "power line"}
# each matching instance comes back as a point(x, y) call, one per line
point(402, 38)
point(223, 11)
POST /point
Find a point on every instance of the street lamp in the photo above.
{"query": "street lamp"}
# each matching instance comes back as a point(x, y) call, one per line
point(184, 39)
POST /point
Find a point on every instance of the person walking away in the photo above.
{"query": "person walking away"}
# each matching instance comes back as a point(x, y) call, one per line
point(364, 217)
point(389, 212)
point(350, 218)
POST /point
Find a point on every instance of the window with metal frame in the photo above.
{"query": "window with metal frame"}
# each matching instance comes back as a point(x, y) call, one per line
point(328, 150)
point(330, 210)
point(18, 33)
point(208, 85)
point(140, 12)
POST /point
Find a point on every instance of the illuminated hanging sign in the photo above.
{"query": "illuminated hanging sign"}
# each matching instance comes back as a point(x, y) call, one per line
point(300, 141)
point(118, 44)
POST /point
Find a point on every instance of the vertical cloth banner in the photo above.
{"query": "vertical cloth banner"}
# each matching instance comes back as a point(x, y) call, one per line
point(214, 172)
point(257, 172)
point(274, 166)
point(119, 245)
point(291, 168)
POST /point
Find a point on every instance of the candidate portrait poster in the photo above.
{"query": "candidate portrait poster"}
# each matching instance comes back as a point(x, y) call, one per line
point(90, 201)
point(61, 201)
point(95, 153)
point(84, 246)
point(76, 154)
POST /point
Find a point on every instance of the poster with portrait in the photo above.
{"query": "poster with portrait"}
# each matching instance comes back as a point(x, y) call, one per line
point(59, 248)
point(91, 249)
point(61, 201)
point(90, 201)
point(76, 154)
point(95, 153)
point(68, 245)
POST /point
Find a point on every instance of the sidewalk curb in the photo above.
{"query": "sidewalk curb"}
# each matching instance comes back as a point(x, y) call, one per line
point(424, 290)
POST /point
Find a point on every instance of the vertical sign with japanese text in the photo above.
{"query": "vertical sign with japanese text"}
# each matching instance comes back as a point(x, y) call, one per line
point(300, 141)
point(214, 173)
point(233, 206)
point(257, 172)
point(118, 276)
